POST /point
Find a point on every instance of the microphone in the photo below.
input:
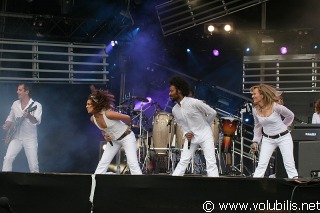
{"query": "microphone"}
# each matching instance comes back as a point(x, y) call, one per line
point(5, 204)
point(189, 140)
point(248, 107)
point(105, 136)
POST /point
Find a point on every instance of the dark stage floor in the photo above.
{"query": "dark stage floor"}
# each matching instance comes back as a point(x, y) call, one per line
point(69, 193)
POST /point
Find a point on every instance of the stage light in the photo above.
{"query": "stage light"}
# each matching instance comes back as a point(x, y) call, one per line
point(283, 50)
point(227, 27)
point(113, 43)
point(188, 50)
point(210, 28)
point(247, 49)
point(215, 52)
point(315, 47)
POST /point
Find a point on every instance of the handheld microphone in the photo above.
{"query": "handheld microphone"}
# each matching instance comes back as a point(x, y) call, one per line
point(5, 204)
point(189, 140)
point(105, 136)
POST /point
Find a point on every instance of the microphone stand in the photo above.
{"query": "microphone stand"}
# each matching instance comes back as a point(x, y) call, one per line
point(241, 138)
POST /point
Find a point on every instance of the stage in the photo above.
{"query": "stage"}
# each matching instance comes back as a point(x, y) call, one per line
point(70, 193)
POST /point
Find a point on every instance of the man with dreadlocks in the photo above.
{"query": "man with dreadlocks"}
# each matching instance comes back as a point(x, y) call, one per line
point(115, 128)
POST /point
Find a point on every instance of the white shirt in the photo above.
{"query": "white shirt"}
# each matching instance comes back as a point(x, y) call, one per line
point(273, 124)
point(27, 129)
point(316, 118)
point(115, 128)
point(194, 116)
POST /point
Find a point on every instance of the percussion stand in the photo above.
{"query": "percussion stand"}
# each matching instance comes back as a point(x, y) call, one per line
point(233, 167)
point(141, 137)
point(219, 153)
point(241, 142)
point(170, 154)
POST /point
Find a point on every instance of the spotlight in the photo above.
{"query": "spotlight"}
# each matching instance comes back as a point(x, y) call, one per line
point(248, 49)
point(210, 28)
point(227, 27)
point(315, 47)
point(215, 52)
point(113, 43)
point(283, 50)
point(188, 50)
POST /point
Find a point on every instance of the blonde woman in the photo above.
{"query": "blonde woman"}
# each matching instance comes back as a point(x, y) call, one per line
point(271, 121)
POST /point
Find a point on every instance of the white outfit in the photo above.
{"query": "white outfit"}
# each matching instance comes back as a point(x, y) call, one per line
point(196, 117)
point(273, 125)
point(316, 118)
point(25, 137)
point(115, 130)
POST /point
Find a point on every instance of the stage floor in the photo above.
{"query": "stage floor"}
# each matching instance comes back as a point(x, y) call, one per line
point(69, 193)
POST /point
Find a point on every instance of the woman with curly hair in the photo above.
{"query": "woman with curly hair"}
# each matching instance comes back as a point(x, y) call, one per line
point(115, 128)
point(316, 114)
point(271, 122)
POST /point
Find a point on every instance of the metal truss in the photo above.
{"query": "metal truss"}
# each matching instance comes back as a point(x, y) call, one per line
point(290, 73)
point(178, 15)
point(22, 26)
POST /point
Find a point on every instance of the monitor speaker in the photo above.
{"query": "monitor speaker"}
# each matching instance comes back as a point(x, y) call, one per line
point(306, 156)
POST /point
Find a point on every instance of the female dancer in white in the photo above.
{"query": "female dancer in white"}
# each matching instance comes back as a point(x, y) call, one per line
point(115, 128)
point(272, 129)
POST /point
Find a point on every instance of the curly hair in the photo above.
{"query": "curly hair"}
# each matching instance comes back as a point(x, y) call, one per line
point(270, 94)
point(101, 99)
point(317, 106)
point(180, 84)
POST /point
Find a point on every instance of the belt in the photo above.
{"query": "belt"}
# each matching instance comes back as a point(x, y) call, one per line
point(275, 136)
point(127, 132)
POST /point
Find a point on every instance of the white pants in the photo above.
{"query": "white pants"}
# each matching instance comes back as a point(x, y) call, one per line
point(130, 148)
point(207, 146)
point(31, 150)
point(268, 146)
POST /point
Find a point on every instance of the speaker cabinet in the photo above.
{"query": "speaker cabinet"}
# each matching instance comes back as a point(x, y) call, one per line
point(306, 156)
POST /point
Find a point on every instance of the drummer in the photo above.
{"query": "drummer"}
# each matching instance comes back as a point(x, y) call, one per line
point(194, 117)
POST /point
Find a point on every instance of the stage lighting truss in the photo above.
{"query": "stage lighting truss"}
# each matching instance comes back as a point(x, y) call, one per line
point(211, 28)
point(178, 15)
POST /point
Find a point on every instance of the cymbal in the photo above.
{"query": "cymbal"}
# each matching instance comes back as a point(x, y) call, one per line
point(140, 99)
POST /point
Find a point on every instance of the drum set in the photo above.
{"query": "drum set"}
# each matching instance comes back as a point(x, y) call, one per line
point(160, 140)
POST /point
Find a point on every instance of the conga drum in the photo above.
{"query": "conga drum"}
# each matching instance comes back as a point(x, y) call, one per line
point(163, 131)
point(228, 126)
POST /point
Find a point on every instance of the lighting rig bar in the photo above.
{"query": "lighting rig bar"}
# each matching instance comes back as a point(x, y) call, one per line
point(178, 15)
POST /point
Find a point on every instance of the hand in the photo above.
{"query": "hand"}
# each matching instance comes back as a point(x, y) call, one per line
point(189, 136)
point(6, 125)
point(107, 138)
point(26, 114)
point(254, 146)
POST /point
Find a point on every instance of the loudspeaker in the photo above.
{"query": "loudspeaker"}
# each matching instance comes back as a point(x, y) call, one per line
point(306, 156)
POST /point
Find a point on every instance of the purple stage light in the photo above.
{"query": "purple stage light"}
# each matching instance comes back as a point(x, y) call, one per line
point(215, 52)
point(283, 50)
